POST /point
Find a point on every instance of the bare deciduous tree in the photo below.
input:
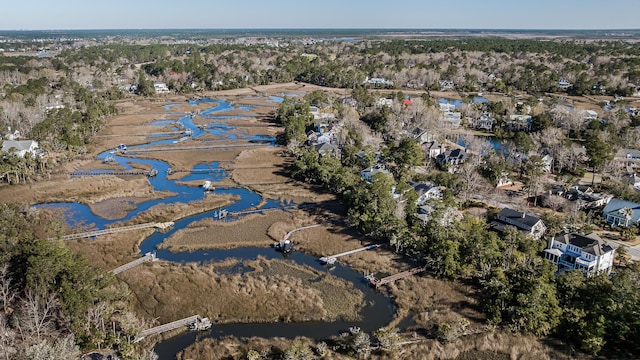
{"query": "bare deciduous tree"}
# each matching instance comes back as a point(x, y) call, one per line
point(7, 293)
point(36, 313)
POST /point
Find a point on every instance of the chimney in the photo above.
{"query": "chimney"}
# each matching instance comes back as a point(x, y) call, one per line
point(550, 242)
point(523, 215)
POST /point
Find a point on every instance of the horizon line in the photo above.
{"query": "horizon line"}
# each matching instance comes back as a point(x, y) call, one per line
point(329, 28)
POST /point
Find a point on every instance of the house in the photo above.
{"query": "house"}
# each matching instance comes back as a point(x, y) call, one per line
point(452, 119)
point(425, 191)
point(20, 147)
point(432, 149)
point(384, 102)
point(589, 115)
point(452, 157)
point(425, 213)
point(369, 172)
point(547, 163)
point(484, 122)
point(586, 198)
point(446, 107)
point(620, 212)
point(564, 84)
point(530, 224)
point(629, 157)
point(634, 180)
point(326, 148)
point(446, 85)
point(423, 136)
point(586, 253)
point(379, 82)
point(519, 122)
point(160, 88)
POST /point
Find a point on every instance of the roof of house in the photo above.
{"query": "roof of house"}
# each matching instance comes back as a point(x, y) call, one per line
point(632, 153)
point(518, 217)
point(19, 145)
point(618, 204)
point(458, 154)
point(421, 187)
point(591, 243)
point(326, 148)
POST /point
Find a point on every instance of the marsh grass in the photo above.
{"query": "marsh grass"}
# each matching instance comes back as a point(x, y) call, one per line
point(274, 291)
point(250, 230)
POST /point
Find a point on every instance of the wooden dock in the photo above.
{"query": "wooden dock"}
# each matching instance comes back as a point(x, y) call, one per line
point(379, 282)
point(113, 173)
point(286, 237)
point(332, 258)
point(168, 327)
point(88, 234)
point(148, 257)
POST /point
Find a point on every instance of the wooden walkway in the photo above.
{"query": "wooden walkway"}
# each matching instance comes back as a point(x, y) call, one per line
point(332, 259)
point(196, 147)
point(113, 173)
point(286, 237)
point(379, 282)
point(88, 234)
point(148, 257)
point(167, 327)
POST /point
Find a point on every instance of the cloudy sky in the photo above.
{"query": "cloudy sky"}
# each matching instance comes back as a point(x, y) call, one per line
point(216, 14)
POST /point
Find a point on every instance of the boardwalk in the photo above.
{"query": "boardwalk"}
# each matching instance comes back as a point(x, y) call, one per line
point(148, 257)
point(108, 172)
point(94, 233)
point(332, 259)
point(286, 237)
point(379, 282)
point(167, 327)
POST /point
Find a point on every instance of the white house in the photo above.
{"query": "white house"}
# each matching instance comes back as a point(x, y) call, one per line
point(452, 119)
point(530, 224)
point(484, 122)
point(587, 253)
point(160, 88)
point(564, 84)
point(589, 115)
point(547, 163)
point(384, 102)
point(620, 212)
point(20, 147)
point(425, 191)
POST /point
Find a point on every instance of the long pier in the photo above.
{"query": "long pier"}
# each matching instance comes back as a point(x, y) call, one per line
point(88, 234)
point(151, 172)
point(148, 257)
point(286, 237)
point(197, 147)
point(168, 327)
point(379, 282)
point(332, 259)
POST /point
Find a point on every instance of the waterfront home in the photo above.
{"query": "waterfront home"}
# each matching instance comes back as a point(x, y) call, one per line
point(160, 88)
point(519, 122)
point(432, 149)
point(586, 253)
point(484, 122)
point(446, 85)
point(20, 147)
point(452, 157)
point(589, 115)
point(527, 223)
point(620, 212)
point(564, 84)
point(452, 119)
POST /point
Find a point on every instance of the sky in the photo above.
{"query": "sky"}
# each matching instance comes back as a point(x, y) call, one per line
point(248, 14)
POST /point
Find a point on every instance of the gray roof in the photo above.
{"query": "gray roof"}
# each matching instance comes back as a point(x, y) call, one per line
point(19, 145)
point(633, 153)
point(421, 187)
point(517, 217)
point(591, 243)
point(618, 204)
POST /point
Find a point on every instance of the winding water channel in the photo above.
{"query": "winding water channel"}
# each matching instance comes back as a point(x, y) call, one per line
point(378, 310)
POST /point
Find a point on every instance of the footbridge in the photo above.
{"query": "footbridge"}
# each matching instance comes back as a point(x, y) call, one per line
point(286, 237)
point(379, 282)
point(88, 234)
point(148, 257)
point(332, 258)
point(194, 322)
